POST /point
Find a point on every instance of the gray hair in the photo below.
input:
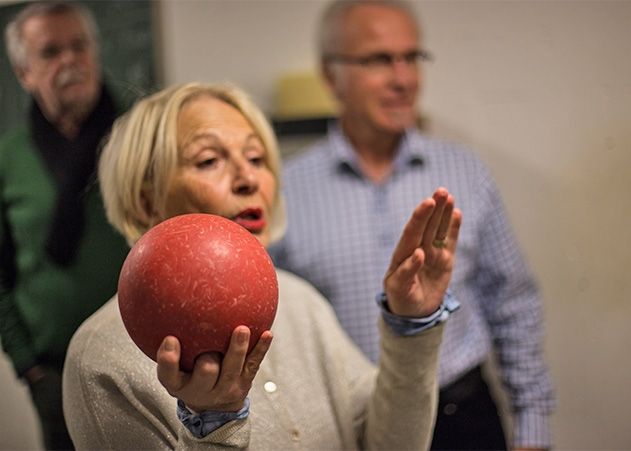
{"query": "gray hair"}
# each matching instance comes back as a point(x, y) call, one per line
point(16, 49)
point(330, 28)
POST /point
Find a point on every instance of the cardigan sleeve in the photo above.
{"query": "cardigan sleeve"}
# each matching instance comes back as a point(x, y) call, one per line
point(392, 406)
point(402, 408)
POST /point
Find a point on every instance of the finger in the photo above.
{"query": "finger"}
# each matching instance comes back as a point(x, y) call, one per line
point(445, 221)
point(206, 371)
point(442, 197)
point(254, 359)
point(168, 359)
point(412, 233)
point(401, 278)
point(400, 286)
point(454, 229)
point(235, 356)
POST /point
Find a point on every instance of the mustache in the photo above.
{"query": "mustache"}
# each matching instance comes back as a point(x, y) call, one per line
point(70, 75)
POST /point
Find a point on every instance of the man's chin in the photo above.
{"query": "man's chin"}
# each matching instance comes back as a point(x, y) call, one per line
point(80, 100)
point(397, 127)
point(398, 122)
point(79, 90)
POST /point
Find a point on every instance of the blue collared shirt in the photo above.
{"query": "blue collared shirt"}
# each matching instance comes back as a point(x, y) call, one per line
point(342, 229)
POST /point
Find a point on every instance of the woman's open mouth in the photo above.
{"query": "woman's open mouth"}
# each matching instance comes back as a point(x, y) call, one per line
point(251, 219)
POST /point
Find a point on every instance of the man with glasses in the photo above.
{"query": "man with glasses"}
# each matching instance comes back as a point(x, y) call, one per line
point(348, 196)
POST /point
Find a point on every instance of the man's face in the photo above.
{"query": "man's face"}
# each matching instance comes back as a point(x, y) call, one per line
point(61, 69)
point(377, 96)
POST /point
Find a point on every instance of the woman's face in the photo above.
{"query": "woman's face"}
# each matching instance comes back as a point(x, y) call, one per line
point(221, 168)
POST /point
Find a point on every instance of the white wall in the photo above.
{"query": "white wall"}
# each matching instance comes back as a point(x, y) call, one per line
point(542, 91)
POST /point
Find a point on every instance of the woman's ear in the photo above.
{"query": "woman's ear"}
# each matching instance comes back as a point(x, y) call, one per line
point(147, 205)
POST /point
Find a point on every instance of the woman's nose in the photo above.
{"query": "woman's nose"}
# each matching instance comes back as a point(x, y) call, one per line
point(245, 179)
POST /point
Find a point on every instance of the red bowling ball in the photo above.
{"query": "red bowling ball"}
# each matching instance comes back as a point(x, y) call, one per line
point(196, 277)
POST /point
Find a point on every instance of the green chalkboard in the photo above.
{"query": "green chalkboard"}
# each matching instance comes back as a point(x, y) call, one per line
point(127, 55)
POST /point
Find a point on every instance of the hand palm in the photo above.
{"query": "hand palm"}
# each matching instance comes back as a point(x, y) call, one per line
point(419, 274)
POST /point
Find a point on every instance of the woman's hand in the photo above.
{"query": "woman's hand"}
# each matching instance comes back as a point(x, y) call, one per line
point(215, 383)
point(423, 260)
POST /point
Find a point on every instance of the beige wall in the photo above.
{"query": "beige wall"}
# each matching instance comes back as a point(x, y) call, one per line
point(542, 91)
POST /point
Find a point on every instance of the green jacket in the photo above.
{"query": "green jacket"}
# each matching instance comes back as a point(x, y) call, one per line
point(42, 303)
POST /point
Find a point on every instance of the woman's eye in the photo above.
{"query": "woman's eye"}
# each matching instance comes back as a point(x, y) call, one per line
point(257, 161)
point(208, 162)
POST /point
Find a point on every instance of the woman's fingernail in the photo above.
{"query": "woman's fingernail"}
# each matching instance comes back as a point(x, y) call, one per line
point(169, 345)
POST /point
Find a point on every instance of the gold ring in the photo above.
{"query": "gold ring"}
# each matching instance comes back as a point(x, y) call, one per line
point(440, 243)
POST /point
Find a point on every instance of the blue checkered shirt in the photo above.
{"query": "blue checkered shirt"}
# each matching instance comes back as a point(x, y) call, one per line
point(342, 230)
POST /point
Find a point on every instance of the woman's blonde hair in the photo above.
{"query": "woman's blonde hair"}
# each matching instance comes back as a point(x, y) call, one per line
point(141, 156)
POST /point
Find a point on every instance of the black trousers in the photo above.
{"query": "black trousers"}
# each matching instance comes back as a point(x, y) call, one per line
point(46, 395)
point(467, 417)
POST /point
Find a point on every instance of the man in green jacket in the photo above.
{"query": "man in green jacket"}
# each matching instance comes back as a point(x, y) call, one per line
point(59, 259)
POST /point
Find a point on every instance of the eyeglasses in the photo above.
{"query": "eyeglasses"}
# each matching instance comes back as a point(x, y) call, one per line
point(382, 60)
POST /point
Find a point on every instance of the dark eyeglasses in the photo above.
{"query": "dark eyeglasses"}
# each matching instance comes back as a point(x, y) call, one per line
point(382, 60)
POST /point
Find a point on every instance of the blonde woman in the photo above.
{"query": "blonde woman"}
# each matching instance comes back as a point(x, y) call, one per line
point(207, 149)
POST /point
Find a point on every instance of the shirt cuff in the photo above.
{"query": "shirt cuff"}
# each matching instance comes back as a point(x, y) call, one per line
point(406, 326)
point(203, 423)
point(532, 430)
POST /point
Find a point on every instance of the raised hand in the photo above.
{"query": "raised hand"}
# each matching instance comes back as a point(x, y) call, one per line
point(422, 263)
point(215, 383)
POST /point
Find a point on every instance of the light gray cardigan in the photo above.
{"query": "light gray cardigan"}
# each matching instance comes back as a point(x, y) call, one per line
point(327, 394)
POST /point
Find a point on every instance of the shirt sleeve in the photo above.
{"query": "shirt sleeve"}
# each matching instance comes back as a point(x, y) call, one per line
point(16, 341)
point(406, 326)
point(512, 306)
point(203, 423)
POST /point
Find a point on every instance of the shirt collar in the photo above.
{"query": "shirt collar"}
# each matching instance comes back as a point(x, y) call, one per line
point(409, 154)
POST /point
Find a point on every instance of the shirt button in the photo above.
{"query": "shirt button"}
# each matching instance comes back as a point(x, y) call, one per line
point(450, 409)
point(270, 387)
